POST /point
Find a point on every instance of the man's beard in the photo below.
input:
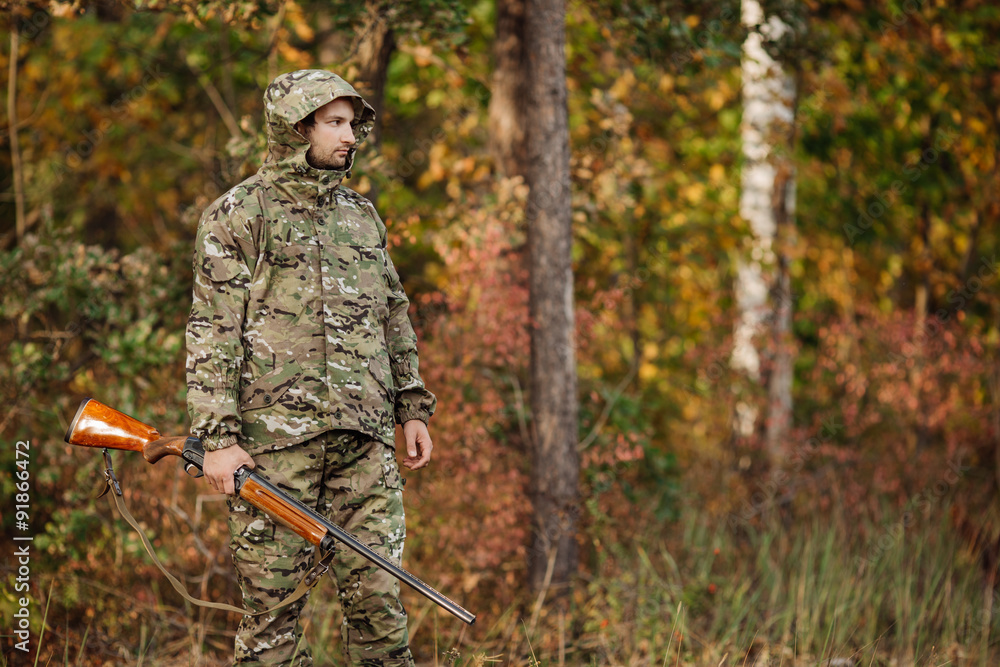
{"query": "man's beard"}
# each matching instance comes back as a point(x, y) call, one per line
point(326, 160)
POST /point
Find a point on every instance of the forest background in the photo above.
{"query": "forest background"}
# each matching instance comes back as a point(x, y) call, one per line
point(868, 532)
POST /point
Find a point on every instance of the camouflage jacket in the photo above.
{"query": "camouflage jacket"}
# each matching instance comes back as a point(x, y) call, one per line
point(298, 323)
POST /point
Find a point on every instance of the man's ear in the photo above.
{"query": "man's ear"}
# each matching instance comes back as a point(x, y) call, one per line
point(298, 127)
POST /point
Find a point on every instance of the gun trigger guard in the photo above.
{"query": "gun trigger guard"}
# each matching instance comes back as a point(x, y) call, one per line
point(109, 476)
point(189, 467)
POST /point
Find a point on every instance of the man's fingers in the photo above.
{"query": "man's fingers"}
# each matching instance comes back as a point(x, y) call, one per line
point(415, 462)
point(219, 484)
point(418, 444)
point(425, 452)
point(411, 443)
point(221, 465)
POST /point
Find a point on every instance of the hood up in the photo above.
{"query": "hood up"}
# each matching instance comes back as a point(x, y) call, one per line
point(293, 96)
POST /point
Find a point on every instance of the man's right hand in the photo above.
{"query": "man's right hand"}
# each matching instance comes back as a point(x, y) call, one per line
point(221, 464)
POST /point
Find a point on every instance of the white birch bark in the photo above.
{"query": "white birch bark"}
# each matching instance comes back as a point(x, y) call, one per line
point(767, 199)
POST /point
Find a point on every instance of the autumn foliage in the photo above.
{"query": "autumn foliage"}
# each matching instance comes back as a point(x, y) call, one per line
point(877, 538)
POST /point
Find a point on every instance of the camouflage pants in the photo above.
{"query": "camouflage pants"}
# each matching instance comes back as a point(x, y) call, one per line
point(354, 481)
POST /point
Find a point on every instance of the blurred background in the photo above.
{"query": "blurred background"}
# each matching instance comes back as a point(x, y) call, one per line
point(787, 319)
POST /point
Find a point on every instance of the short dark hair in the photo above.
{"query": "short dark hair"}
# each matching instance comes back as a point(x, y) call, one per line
point(310, 120)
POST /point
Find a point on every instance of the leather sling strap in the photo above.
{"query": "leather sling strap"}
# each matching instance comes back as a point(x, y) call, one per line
point(310, 579)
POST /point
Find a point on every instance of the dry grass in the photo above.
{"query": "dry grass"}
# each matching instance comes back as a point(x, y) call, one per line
point(820, 593)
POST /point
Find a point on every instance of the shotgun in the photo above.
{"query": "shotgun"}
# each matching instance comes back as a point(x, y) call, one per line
point(97, 425)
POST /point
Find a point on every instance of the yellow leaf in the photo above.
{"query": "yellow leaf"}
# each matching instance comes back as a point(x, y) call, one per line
point(647, 371)
point(623, 86)
point(423, 55)
point(694, 193)
point(408, 93)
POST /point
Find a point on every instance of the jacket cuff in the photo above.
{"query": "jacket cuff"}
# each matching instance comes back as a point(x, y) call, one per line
point(403, 416)
point(213, 443)
point(416, 404)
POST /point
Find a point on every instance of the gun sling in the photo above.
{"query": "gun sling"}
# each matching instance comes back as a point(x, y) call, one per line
point(96, 425)
point(310, 579)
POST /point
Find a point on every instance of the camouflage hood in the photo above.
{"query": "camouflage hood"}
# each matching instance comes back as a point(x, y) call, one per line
point(293, 96)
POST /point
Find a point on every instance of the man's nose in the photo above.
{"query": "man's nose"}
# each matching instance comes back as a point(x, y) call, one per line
point(349, 137)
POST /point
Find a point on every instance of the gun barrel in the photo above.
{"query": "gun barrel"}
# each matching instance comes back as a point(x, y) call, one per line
point(318, 530)
point(97, 425)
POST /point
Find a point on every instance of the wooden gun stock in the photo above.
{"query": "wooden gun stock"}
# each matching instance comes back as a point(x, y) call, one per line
point(97, 425)
point(260, 496)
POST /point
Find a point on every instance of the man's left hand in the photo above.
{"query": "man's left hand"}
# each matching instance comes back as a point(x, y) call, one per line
point(418, 444)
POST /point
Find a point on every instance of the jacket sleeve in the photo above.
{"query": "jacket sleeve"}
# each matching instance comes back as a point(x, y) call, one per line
point(413, 400)
point(214, 331)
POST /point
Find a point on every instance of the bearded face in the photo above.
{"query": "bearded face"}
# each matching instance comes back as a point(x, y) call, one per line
point(331, 136)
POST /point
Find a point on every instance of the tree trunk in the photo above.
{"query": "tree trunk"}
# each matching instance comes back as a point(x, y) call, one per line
point(922, 269)
point(556, 471)
point(375, 47)
point(12, 123)
point(767, 200)
point(508, 96)
point(779, 388)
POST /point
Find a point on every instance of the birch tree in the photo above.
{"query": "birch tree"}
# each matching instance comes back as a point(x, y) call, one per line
point(767, 203)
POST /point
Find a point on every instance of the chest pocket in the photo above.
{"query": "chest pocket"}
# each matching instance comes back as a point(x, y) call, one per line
point(347, 221)
point(353, 267)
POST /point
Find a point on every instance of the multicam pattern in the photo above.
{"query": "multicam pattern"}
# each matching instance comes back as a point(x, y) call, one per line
point(290, 98)
point(354, 481)
point(299, 321)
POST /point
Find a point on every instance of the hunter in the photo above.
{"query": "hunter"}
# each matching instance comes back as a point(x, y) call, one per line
point(301, 361)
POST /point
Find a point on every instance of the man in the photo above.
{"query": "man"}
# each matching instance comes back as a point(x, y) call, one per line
point(301, 359)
